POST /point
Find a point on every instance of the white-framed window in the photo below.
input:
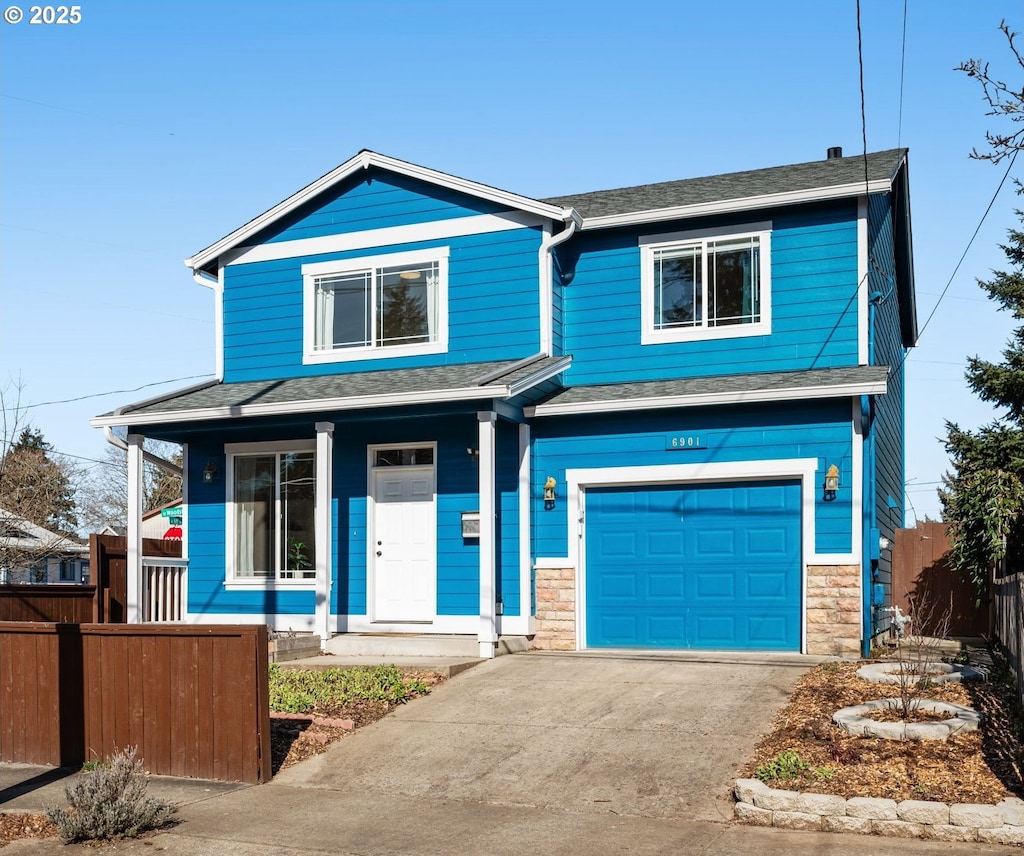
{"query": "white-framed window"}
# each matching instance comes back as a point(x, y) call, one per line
point(708, 284)
point(271, 498)
point(378, 306)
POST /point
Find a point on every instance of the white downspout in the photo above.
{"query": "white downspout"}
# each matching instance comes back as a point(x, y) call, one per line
point(545, 270)
point(149, 457)
point(217, 286)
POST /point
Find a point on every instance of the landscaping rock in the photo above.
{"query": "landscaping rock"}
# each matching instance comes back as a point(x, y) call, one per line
point(776, 800)
point(746, 788)
point(981, 816)
point(923, 811)
point(1002, 835)
point(871, 808)
point(821, 804)
point(860, 825)
point(752, 815)
point(796, 820)
point(897, 828)
point(1013, 811)
point(945, 832)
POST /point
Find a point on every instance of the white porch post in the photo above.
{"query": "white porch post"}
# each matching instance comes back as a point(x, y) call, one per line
point(135, 510)
point(322, 527)
point(528, 622)
point(488, 635)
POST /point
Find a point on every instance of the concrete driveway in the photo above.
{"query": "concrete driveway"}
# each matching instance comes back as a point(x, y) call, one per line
point(651, 736)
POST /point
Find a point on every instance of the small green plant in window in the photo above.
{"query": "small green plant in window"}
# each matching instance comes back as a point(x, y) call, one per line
point(298, 560)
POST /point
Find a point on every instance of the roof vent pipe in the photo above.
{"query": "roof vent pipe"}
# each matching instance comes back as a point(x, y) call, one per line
point(834, 152)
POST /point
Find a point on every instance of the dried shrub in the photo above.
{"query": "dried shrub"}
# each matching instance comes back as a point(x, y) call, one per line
point(110, 802)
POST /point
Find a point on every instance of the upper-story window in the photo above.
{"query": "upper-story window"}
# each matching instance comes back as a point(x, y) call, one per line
point(711, 284)
point(382, 306)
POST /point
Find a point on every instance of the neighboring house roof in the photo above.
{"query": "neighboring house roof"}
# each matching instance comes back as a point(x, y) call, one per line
point(821, 179)
point(722, 389)
point(390, 388)
point(18, 533)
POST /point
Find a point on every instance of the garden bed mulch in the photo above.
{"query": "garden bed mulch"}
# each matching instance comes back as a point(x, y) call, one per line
point(978, 767)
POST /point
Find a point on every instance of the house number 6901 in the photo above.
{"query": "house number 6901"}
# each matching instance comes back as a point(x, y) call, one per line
point(686, 441)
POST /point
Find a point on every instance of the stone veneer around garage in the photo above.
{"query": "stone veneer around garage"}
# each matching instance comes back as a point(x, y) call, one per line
point(759, 805)
point(833, 612)
point(556, 609)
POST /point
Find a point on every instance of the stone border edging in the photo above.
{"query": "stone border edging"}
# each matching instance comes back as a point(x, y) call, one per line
point(937, 673)
point(346, 724)
point(759, 805)
point(963, 719)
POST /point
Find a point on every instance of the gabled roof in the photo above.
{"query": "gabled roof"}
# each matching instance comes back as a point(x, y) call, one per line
point(388, 388)
point(365, 160)
point(716, 390)
point(823, 179)
point(18, 533)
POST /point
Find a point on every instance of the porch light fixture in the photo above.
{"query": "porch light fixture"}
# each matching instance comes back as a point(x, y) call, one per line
point(549, 493)
point(831, 483)
point(209, 471)
point(884, 544)
point(474, 454)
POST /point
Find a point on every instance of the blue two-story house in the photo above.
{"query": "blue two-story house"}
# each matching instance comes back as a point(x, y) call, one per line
point(657, 417)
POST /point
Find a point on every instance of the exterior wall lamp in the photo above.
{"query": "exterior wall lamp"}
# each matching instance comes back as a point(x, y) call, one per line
point(831, 483)
point(549, 493)
point(209, 471)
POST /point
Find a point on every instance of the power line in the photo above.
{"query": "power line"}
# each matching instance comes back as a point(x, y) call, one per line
point(111, 392)
point(863, 111)
point(903, 58)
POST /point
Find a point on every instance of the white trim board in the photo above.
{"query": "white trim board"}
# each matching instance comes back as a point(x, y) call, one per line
point(578, 480)
point(364, 160)
point(708, 398)
point(388, 236)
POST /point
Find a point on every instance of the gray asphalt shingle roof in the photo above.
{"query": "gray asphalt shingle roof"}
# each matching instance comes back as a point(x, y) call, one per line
point(735, 185)
point(762, 382)
point(491, 379)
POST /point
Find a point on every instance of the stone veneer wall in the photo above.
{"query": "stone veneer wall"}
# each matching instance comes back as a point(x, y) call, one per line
point(833, 610)
point(759, 805)
point(556, 609)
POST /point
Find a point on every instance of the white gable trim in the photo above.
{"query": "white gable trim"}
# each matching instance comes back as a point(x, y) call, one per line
point(388, 236)
point(365, 160)
point(681, 212)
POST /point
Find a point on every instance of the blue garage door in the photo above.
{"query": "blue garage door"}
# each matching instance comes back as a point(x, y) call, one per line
point(704, 566)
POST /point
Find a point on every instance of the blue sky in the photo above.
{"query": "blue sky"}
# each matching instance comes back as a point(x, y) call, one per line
point(147, 131)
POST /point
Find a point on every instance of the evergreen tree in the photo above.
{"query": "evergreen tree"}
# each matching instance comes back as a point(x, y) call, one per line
point(36, 485)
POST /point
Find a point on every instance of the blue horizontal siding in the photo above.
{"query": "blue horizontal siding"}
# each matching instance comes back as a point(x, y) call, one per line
point(493, 309)
point(821, 431)
point(813, 304)
point(373, 199)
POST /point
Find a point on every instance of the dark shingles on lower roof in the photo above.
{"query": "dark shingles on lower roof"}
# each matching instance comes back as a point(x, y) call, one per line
point(387, 382)
point(762, 382)
point(737, 185)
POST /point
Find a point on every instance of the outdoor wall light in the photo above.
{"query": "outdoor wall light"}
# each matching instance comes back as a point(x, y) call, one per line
point(549, 493)
point(474, 454)
point(831, 483)
point(883, 543)
point(209, 471)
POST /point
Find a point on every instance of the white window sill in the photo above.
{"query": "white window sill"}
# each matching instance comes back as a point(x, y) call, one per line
point(700, 334)
point(270, 585)
point(348, 355)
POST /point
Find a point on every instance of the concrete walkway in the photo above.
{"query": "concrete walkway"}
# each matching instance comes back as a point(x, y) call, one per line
point(530, 754)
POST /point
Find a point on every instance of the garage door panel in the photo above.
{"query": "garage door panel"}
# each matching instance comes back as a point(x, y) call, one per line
point(707, 567)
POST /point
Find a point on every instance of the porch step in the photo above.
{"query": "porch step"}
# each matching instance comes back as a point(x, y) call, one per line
point(417, 645)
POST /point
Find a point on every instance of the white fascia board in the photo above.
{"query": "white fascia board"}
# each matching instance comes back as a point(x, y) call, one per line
point(710, 398)
point(540, 376)
point(285, 408)
point(725, 206)
point(479, 224)
point(365, 160)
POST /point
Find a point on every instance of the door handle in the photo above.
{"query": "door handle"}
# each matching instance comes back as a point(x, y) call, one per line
point(378, 552)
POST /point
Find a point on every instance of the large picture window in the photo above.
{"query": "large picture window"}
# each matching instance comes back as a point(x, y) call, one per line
point(705, 286)
point(272, 502)
point(376, 307)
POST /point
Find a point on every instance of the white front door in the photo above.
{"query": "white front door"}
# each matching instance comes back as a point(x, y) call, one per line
point(403, 550)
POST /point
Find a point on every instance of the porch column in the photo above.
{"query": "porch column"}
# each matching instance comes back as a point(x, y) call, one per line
point(136, 493)
point(488, 635)
point(528, 622)
point(322, 527)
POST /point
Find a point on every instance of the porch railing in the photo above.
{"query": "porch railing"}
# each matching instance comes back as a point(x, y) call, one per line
point(163, 588)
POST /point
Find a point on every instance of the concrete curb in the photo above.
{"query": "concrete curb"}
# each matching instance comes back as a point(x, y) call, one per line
point(759, 805)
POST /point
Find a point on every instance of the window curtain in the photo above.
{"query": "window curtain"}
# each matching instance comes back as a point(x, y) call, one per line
point(324, 316)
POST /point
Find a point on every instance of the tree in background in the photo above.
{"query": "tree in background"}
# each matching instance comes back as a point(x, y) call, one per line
point(104, 495)
point(983, 498)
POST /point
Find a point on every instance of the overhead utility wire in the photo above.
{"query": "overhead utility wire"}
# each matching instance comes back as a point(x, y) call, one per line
point(903, 65)
point(112, 392)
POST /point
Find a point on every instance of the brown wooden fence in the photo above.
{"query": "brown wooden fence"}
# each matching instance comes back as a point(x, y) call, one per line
point(1008, 595)
point(921, 568)
point(62, 603)
point(193, 699)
